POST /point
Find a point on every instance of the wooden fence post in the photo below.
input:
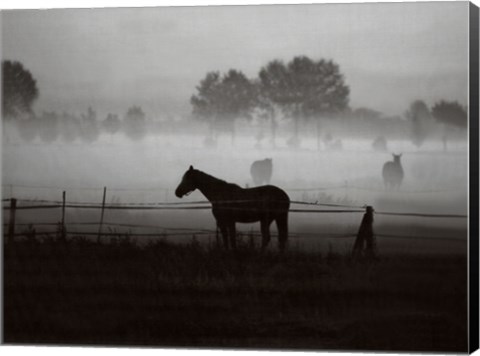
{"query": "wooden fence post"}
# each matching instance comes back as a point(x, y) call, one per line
point(101, 216)
point(365, 236)
point(11, 224)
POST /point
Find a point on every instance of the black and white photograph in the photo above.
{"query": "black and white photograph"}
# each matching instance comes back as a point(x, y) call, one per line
point(241, 177)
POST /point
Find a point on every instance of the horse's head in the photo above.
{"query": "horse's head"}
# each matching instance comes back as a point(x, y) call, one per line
point(187, 185)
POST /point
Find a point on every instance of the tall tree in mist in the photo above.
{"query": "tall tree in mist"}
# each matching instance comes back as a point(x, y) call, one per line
point(19, 90)
point(220, 100)
point(111, 124)
point(420, 119)
point(267, 110)
point(305, 88)
point(134, 123)
point(48, 126)
point(27, 128)
point(89, 126)
point(70, 127)
point(452, 115)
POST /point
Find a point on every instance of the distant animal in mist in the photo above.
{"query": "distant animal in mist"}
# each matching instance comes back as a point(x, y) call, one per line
point(393, 173)
point(380, 144)
point(261, 171)
point(232, 204)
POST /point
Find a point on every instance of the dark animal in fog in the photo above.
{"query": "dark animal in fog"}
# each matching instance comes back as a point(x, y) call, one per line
point(393, 173)
point(232, 204)
point(261, 171)
point(380, 144)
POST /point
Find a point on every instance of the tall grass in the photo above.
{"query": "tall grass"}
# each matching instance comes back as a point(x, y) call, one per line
point(122, 293)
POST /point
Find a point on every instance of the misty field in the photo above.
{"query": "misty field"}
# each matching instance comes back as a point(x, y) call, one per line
point(179, 288)
point(148, 172)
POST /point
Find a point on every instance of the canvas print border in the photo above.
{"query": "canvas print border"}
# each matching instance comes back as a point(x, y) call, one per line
point(364, 248)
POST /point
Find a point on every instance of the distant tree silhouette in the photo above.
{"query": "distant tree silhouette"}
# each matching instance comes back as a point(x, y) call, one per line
point(48, 126)
point(420, 118)
point(305, 88)
point(267, 110)
point(28, 128)
point(88, 126)
point(135, 123)
point(450, 114)
point(111, 124)
point(366, 113)
point(70, 127)
point(19, 90)
point(220, 100)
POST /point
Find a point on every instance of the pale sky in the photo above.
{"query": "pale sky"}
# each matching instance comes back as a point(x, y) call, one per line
point(110, 59)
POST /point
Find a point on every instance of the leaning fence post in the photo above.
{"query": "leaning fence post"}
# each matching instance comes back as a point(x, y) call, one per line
point(64, 228)
point(11, 224)
point(365, 236)
point(101, 216)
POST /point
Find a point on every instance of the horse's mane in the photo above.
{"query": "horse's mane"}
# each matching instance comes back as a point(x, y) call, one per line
point(214, 180)
point(210, 177)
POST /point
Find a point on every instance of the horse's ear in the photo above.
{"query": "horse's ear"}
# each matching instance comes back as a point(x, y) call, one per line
point(191, 168)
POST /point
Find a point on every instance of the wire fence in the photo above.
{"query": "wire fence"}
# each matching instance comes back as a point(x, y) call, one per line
point(35, 204)
point(207, 205)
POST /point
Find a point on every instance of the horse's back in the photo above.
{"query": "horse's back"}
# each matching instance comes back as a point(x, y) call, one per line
point(270, 195)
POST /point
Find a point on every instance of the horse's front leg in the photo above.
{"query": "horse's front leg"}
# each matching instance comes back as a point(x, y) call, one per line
point(233, 235)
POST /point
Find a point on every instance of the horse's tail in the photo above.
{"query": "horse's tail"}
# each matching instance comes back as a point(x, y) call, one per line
point(282, 226)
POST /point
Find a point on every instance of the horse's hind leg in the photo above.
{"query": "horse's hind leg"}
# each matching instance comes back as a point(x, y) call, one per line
point(265, 229)
point(282, 226)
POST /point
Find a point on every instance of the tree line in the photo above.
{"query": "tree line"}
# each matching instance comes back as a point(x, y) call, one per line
point(450, 114)
point(302, 90)
point(87, 127)
point(19, 94)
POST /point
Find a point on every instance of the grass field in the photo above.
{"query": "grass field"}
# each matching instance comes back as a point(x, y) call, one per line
point(197, 295)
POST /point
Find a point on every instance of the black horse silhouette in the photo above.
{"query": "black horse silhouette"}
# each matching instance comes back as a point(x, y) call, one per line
point(393, 173)
point(232, 204)
point(261, 171)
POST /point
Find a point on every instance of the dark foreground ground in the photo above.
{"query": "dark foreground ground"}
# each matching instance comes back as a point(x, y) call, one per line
point(118, 293)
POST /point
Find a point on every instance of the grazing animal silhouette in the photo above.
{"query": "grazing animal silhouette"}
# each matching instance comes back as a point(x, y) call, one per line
point(232, 204)
point(261, 171)
point(380, 144)
point(393, 173)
